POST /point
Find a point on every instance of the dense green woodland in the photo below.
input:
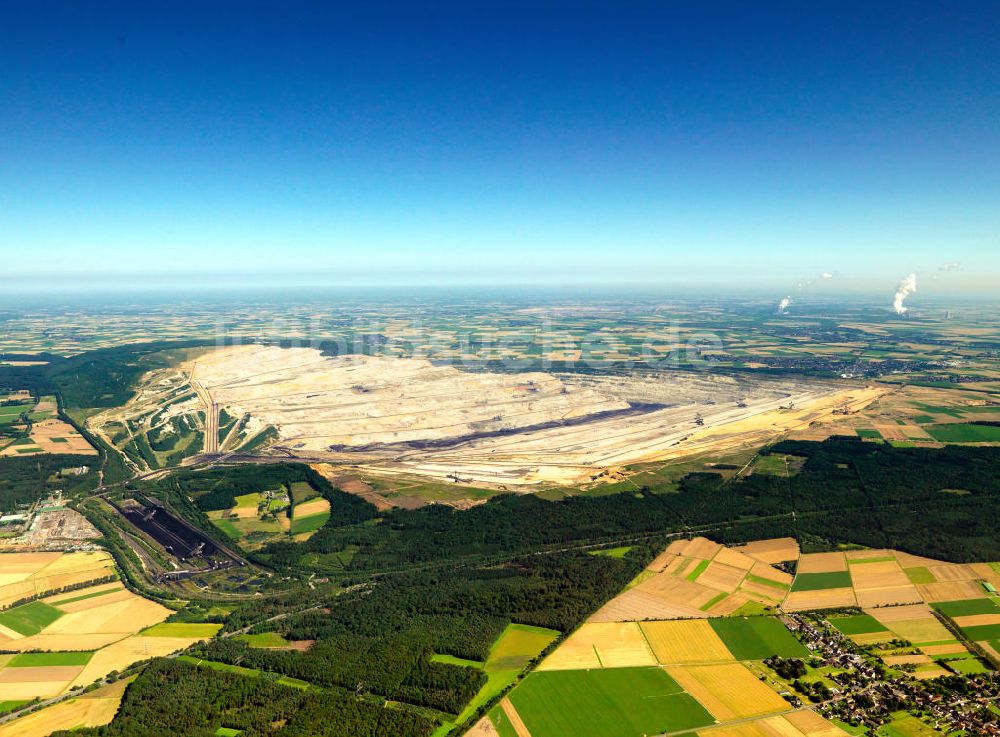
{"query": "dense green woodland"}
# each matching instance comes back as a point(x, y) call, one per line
point(381, 639)
point(25, 480)
point(175, 698)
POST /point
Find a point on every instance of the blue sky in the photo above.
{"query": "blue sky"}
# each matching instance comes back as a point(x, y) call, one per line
point(478, 142)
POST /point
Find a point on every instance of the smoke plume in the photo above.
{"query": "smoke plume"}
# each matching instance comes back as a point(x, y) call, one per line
point(906, 287)
point(783, 305)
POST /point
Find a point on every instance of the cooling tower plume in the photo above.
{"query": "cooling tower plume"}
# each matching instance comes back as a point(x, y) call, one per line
point(783, 305)
point(906, 287)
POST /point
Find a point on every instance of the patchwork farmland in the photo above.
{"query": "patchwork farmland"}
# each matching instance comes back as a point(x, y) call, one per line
point(706, 641)
point(71, 634)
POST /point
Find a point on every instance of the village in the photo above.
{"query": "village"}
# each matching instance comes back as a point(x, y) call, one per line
point(867, 695)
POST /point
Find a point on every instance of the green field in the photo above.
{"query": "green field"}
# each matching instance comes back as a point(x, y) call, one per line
point(906, 725)
point(309, 524)
point(249, 501)
point(967, 607)
point(919, 575)
point(869, 434)
point(859, 624)
point(512, 652)
point(40, 660)
point(264, 639)
point(30, 619)
point(968, 666)
point(614, 702)
point(982, 632)
point(964, 433)
point(518, 645)
point(756, 638)
point(777, 585)
point(182, 629)
point(612, 552)
point(6, 706)
point(227, 732)
point(698, 570)
point(228, 528)
point(819, 581)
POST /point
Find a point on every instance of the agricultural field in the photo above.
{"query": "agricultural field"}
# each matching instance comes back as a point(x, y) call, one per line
point(29, 575)
point(649, 663)
point(259, 518)
point(517, 646)
point(30, 426)
point(700, 578)
point(69, 639)
point(977, 619)
point(603, 703)
point(93, 709)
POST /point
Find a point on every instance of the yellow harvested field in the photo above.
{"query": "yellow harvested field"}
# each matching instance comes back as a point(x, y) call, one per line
point(57, 643)
point(28, 563)
point(882, 574)
point(602, 645)
point(800, 723)
point(35, 574)
point(823, 599)
point(888, 596)
point(908, 560)
point(76, 562)
point(950, 590)
point(855, 555)
point(925, 674)
point(29, 690)
point(130, 650)
point(765, 570)
point(977, 620)
point(762, 592)
point(123, 617)
point(722, 577)
point(661, 597)
point(685, 641)
point(953, 572)
point(483, 728)
point(40, 674)
point(986, 572)
point(725, 607)
point(728, 691)
point(776, 550)
point(811, 724)
point(661, 561)
point(113, 586)
point(314, 506)
point(93, 710)
point(734, 558)
point(894, 614)
point(697, 547)
point(83, 605)
point(822, 563)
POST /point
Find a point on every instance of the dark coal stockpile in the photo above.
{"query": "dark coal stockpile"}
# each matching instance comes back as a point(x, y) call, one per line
point(175, 536)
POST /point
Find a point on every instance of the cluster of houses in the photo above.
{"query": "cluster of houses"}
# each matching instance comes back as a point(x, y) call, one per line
point(866, 695)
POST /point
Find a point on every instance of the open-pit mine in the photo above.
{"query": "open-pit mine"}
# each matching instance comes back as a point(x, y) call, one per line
point(409, 415)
